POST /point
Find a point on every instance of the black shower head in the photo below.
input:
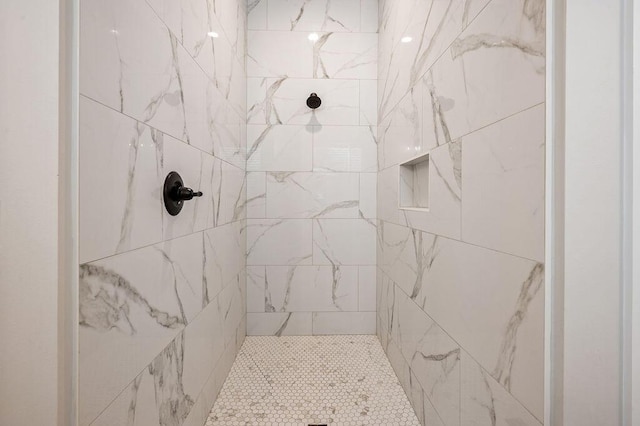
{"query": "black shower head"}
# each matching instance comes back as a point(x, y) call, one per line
point(314, 101)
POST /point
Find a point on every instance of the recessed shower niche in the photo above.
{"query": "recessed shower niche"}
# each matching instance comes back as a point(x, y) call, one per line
point(414, 184)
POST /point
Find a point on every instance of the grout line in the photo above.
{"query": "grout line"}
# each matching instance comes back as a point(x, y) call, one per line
point(437, 59)
point(465, 242)
point(483, 127)
point(173, 338)
point(202, 231)
point(164, 132)
point(457, 343)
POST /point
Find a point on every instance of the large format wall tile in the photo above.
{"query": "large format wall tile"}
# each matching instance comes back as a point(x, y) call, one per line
point(429, 28)
point(400, 133)
point(256, 195)
point(344, 242)
point(433, 357)
point(279, 242)
point(345, 149)
point(224, 251)
point(485, 402)
point(312, 195)
point(196, 169)
point(311, 190)
point(460, 286)
point(346, 55)
point(197, 27)
point(495, 68)
point(319, 15)
point(135, 309)
point(120, 200)
point(135, 65)
point(283, 101)
point(279, 54)
point(175, 378)
point(503, 206)
point(344, 323)
point(450, 281)
point(279, 324)
point(162, 298)
point(304, 289)
point(279, 148)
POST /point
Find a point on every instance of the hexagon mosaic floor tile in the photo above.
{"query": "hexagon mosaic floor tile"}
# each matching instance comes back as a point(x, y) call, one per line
point(312, 380)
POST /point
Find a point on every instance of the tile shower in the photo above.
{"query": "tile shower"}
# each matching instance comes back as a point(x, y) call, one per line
point(311, 174)
point(301, 229)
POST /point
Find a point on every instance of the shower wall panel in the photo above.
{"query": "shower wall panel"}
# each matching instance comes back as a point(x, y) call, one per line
point(460, 303)
point(311, 182)
point(162, 298)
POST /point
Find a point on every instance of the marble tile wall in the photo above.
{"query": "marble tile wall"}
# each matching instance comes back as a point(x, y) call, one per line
point(311, 175)
point(162, 298)
point(460, 286)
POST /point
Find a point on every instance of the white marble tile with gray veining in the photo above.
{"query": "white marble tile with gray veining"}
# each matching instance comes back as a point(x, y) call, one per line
point(345, 148)
point(231, 304)
point(485, 402)
point(449, 280)
point(224, 249)
point(283, 101)
point(368, 102)
point(368, 16)
point(367, 282)
point(345, 55)
point(400, 133)
point(317, 15)
point(280, 54)
point(196, 169)
point(197, 28)
point(494, 69)
point(503, 206)
point(132, 63)
point(120, 196)
point(256, 195)
point(156, 396)
point(420, 32)
point(232, 15)
point(228, 194)
point(165, 392)
point(279, 324)
point(344, 242)
point(385, 295)
point(311, 288)
point(279, 242)
point(368, 196)
point(280, 148)
point(256, 284)
point(138, 310)
point(312, 195)
point(433, 357)
point(338, 323)
point(257, 14)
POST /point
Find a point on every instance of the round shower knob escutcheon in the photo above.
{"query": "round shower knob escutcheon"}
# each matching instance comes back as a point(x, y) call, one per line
point(175, 193)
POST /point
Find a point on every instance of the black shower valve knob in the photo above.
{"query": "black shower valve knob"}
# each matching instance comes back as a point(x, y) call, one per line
point(181, 193)
point(175, 193)
point(314, 101)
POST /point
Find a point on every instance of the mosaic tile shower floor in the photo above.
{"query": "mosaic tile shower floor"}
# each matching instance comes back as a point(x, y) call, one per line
point(302, 380)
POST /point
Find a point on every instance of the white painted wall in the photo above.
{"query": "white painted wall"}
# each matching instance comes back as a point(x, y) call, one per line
point(635, 314)
point(592, 236)
point(29, 117)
